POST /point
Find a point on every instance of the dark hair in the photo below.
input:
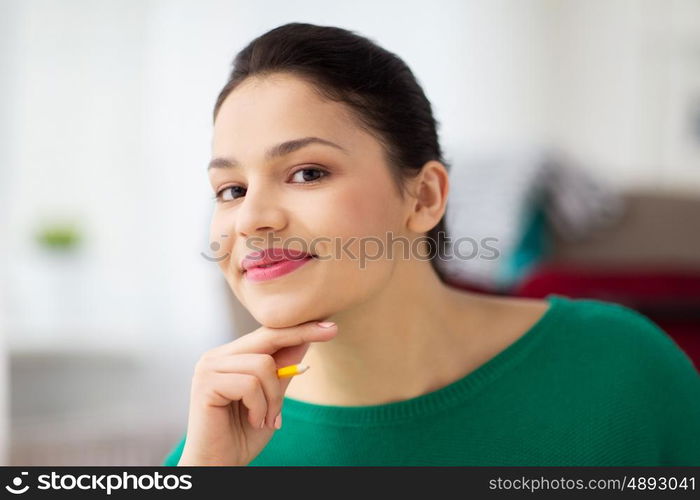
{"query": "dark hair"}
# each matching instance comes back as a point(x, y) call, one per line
point(378, 87)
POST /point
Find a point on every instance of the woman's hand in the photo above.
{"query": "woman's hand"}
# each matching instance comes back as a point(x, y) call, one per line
point(235, 390)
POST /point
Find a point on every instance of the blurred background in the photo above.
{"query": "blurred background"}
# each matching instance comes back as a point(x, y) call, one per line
point(572, 128)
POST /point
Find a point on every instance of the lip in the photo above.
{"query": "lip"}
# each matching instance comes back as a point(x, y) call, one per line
point(279, 261)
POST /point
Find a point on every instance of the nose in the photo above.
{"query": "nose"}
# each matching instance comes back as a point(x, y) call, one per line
point(259, 213)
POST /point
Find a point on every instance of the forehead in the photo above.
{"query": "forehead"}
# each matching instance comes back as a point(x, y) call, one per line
point(277, 108)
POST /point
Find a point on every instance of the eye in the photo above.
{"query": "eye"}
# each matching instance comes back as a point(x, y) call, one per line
point(221, 197)
point(306, 179)
point(308, 176)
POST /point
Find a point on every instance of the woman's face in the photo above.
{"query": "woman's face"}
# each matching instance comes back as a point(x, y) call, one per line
point(285, 197)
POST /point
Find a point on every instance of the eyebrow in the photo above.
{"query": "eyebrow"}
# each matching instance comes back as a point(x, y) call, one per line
point(276, 151)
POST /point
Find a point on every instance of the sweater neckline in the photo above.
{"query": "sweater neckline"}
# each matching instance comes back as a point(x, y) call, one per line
point(439, 399)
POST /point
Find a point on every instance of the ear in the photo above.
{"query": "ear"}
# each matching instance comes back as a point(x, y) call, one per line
point(429, 190)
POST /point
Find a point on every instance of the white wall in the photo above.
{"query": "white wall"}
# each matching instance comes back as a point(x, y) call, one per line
point(8, 54)
point(105, 131)
point(625, 75)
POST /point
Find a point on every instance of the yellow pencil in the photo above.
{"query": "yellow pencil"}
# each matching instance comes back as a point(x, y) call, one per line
point(291, 370)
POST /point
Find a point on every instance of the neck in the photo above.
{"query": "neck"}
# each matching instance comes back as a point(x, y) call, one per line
point(397, 345)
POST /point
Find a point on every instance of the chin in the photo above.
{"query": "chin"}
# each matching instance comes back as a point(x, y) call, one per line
point(279, 319)
point(291, 314)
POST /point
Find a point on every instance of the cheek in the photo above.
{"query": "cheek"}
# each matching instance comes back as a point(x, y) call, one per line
point(363, 210)
point(366, 217)
point(220, 238)
point(215, 226)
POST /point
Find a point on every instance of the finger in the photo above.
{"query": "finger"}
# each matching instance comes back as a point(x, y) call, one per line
point(229, 387)
point(262, 366)
point(270, 340)
point(290, 356)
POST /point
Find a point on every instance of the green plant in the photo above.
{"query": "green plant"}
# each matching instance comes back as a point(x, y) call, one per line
point(58, 236)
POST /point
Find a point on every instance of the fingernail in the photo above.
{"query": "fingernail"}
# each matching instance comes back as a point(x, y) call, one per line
point(278, 421)
point(326, 324)
point(262, 424)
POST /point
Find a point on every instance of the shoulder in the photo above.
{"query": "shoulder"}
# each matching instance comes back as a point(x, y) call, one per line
point(609, 321)
point(623, 335)
point(628, 371)
point(584, 323)
point(601, 312)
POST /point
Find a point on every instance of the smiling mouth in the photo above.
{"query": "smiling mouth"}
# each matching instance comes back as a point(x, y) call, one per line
point(279, 262)
point(275, 270)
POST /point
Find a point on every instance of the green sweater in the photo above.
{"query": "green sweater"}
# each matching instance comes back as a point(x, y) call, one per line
point(592, 383)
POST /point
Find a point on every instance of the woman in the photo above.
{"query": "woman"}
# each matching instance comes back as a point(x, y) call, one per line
point(325, 141)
